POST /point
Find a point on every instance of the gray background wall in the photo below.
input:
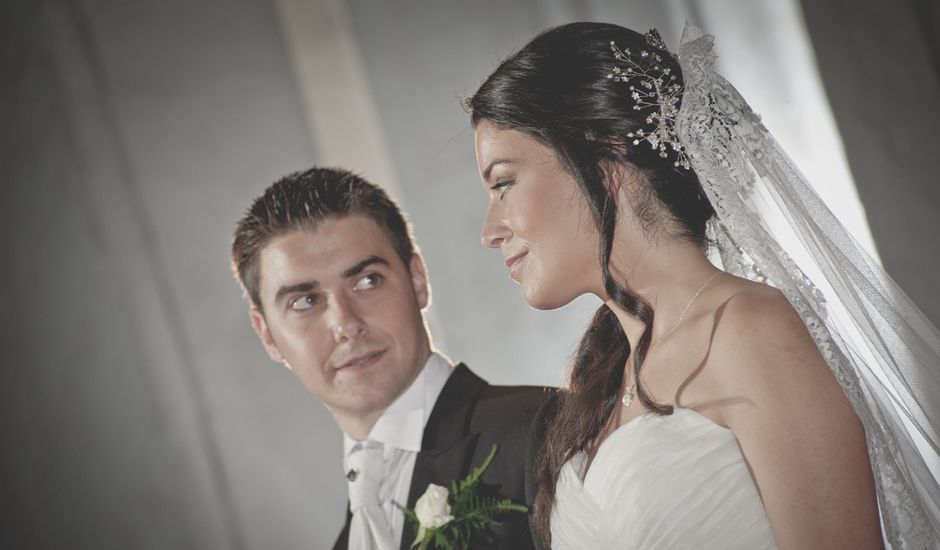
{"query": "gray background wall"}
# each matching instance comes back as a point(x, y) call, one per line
point(137, 409)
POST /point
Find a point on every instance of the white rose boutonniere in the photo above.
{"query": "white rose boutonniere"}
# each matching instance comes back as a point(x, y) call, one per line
point(447, 519)
point(432, 509)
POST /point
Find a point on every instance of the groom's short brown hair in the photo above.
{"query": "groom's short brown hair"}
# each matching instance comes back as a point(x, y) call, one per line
point(302, 200)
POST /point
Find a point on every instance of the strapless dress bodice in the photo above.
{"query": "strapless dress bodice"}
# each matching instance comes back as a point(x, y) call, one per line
point(658, 482)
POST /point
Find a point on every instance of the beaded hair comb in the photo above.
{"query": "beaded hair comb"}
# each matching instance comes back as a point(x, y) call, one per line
point(653, 88)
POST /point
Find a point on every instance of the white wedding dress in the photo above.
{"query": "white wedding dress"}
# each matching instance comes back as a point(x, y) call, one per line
point(658, 482)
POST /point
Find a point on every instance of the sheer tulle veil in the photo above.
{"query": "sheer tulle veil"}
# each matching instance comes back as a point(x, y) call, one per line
point(883, 350)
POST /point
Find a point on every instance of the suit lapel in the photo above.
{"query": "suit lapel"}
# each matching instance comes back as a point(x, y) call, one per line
point(447, 445)
point(342, 541)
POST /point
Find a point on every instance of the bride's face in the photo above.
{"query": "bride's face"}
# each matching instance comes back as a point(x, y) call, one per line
point(537, 218)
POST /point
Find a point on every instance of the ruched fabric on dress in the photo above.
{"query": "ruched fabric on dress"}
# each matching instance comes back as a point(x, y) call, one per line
point(659, 482)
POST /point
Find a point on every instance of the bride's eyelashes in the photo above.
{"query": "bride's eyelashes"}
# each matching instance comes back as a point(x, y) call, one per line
point(502, 187)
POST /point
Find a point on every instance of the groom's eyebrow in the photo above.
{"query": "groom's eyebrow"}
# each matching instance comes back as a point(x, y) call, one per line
point(308, 286)
point(486, 172)
point(287, 290)
point(359, 267)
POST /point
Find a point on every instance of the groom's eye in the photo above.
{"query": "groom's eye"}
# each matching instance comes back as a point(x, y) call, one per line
point(303, 303)
point(371, 280)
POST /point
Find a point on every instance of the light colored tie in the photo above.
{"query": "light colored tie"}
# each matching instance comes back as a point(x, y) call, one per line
point(368, 529)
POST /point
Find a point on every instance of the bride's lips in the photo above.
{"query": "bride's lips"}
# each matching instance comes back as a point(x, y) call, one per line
point(513, 260)
point(361, 361)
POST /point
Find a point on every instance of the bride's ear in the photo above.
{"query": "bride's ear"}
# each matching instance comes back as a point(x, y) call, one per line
point(620, 179)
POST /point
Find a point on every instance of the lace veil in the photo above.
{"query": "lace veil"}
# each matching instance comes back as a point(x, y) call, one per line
point(883, 350)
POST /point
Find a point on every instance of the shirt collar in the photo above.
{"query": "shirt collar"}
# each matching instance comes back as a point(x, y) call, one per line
point(401, 426)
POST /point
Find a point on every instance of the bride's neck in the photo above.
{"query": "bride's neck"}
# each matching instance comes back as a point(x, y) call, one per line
point(665, 275)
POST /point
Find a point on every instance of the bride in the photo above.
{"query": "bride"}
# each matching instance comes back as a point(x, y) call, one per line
point(705, 408)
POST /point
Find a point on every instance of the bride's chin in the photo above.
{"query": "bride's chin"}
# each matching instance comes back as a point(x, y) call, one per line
point(542, 299)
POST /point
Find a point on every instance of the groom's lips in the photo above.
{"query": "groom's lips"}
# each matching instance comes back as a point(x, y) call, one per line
point(361, 361)
point(513, 260)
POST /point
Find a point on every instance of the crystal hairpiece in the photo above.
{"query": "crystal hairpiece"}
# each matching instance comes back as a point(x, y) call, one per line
point(653, 87)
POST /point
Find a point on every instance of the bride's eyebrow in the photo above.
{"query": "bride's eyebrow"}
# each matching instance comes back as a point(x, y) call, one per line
point(489, 169)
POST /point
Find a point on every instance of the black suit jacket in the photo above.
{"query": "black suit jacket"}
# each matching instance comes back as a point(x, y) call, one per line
point(469, 417)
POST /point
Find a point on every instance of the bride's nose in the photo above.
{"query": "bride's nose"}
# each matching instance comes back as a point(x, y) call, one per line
point(495, 230)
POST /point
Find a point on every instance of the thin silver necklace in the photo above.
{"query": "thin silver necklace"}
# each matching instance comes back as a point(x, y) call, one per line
point(628, 389)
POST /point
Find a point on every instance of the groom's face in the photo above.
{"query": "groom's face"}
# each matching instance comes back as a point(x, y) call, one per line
point(343, 311)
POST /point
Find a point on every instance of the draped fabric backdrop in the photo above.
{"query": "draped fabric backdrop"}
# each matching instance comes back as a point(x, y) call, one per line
point(136, 406)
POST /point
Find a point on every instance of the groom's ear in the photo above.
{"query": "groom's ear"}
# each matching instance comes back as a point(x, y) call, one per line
point(260, 324)
point(419, 280)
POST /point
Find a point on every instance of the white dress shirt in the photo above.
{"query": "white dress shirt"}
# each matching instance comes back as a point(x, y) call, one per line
point(400, 429)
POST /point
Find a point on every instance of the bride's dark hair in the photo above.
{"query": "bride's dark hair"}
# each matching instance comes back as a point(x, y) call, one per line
point(556, 90)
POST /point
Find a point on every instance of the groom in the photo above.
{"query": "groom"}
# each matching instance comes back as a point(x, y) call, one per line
point(337, 293)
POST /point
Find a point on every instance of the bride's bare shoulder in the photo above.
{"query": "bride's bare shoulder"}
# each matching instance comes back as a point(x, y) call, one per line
point(793, 423)
point(759, 342)
point(744, 307)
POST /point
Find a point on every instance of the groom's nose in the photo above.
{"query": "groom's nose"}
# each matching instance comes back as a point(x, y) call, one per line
point(346, 322)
